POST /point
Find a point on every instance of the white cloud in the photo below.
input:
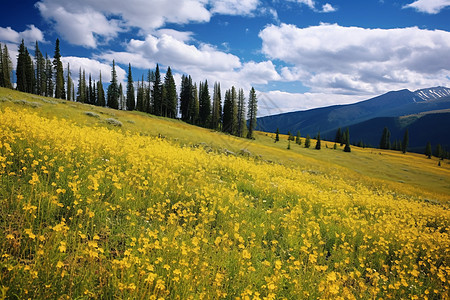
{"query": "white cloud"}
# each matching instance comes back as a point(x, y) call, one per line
point(30, 35)
point(326, 8)
point(85, 22)
point(93, 67)
point(234, 7)
point(429, 6)
point(350, 60)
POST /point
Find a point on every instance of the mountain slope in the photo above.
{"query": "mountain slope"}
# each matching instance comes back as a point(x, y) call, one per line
point(391, 104)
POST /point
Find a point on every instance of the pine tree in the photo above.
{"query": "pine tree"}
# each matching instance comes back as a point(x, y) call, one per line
point(49, 77)
point(40, 70)
point(216, 115)
point(157, 93)
point(170, 95)
point(2, 82)
point(428, 152)
point(130, 90)
point(101, 101)
point(338, 138)
point(307, 141)
point(60, 92)
point(29, 73)
point(228, 113)
point(252, 112)
point(438, 152)
point(298, 139)
point(113, 90)
point(122, 100)
point(347, 141)
point(385, 139)
point(147, 92)
point(204, 105)
point(194, 109)
point(21, 69)
point(140, 97)
point(81, 91)
point(289, 145)
point(318, 144)
point(6, 68)
point(277, 135)
point(241, 122)
point(69, 83)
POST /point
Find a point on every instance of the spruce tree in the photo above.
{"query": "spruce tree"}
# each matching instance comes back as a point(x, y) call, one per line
point(228, 113)
point(2, 82)
point(170, 95)
point(277, 135)
point(49, 87)
point(122, 100)
point(385, 139)
point(6, 69)
point(241, 122)
point(347, 141)
point(307, 141)
point(252, 112)
point(21, 69)
point(338, 137)
point(29, 73)
point(204, 105)
point(194, 108)
point(101, 101)
point(130, 90)
point(157, 93)
point(438, 151)
point(40, 70)
point(318, 144)
point(113, 89)
point(147, 92)
point(216, 114)
point(69, 83)
point(60, 92)
point(186, 97)
point(289, 145)
point(428, 151)
point(297, 138)
point(140, 97)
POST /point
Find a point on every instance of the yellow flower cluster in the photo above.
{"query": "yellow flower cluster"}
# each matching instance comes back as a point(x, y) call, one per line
point(105, 213)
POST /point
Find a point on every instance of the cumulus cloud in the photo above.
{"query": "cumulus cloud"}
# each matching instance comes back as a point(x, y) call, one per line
point(30, 35)
point(326, 8)
point(351, 60)
point(93, 67)
point(429, 6)
point(83, 22)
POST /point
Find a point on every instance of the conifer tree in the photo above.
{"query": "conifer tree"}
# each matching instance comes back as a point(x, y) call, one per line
point(252, 112)
point(385, 139)
point(318, 144)
point(157, 93)
point(289, 145)
point(130, 91)
point(216, 115)
point(2, 82)
point(60, 92)
point(194, 109)
point(21, 69)
point(204, 105)
point(101, 101)
point(347, 141)
point(6, 68)
point(31, 80)
point(147, 92)
point(113, 90)
point(307, 141)
point(438, 152)
point(228, 113)
point(298, 139)
point(186, 97)
point(428, 151)
point(241, 122)
point(338, 138)
point(277, 135)
point(170, 95)
point(49, 77)
point(81, 90)
point(40, 70)
point(140, 97)
point(122, 99)
point(69, 83)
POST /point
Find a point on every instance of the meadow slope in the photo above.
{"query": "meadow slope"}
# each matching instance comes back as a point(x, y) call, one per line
point(156, 208)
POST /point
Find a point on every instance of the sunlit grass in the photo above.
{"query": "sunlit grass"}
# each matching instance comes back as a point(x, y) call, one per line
point(90, 210)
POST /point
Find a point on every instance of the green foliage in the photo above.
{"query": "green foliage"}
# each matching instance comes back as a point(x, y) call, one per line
point(60, 91)
point(428, 151)
point(318, 143)
point(113, 89)
point(252, 111)
point(131, 101)
point(204, 105)
point(277, 135)
point(307, 141)
point(405, 141)
point(170, 95)
point(347, 141)
point(385, 142)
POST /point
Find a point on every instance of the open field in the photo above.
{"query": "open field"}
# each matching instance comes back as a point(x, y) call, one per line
point(156, 208)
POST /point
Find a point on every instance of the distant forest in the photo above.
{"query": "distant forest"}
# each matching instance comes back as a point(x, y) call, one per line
point(46, 77)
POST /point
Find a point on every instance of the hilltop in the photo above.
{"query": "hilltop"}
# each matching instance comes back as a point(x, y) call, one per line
point(102, 203)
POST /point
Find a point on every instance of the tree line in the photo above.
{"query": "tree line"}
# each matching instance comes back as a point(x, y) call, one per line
point(154, 95)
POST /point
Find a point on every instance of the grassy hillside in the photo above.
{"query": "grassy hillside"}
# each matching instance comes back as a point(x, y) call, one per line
point(156, 208)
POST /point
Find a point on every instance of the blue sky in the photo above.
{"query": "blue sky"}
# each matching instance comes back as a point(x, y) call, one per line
point(298, 54)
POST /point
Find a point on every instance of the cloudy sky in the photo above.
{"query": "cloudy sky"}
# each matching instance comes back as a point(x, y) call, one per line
point(298, 54)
